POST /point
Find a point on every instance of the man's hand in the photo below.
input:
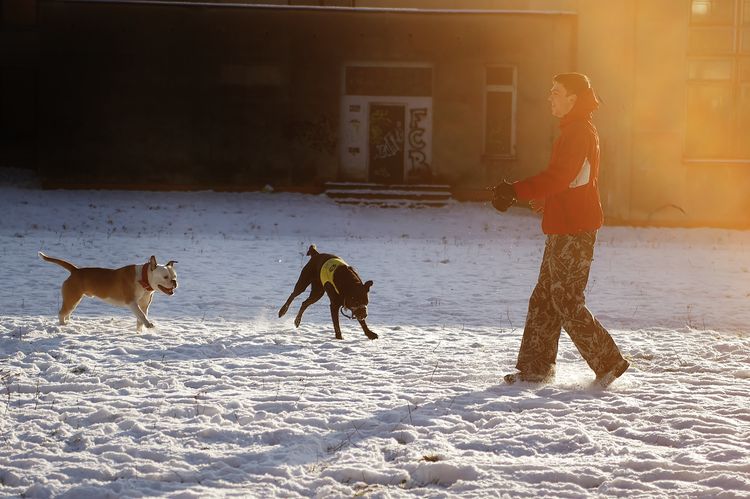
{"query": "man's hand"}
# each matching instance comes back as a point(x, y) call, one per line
point(504, 195)
point(537, 205)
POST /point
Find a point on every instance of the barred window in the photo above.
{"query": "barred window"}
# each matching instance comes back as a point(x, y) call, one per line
point(718, 96)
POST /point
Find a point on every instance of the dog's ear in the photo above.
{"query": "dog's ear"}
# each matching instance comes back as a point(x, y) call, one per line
point(367, 285)
point(152, 262)
point(170, 263)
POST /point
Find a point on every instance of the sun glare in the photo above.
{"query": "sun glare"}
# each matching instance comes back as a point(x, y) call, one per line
point(701, 7)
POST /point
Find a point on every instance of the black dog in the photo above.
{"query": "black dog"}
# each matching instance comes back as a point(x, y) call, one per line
point(330, 274)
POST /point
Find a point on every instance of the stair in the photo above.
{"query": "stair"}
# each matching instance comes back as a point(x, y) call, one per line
point(389, 196)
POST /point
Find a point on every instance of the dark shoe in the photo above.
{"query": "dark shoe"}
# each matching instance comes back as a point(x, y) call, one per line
point(527, 377)
point(614, 372)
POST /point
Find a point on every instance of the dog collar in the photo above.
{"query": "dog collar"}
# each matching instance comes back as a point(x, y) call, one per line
point(144, 278)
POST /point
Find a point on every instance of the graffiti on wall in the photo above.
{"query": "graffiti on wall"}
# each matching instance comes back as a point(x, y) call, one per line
point(418, 166)
point(391, 143)
point(386, 143)
point(317, 134)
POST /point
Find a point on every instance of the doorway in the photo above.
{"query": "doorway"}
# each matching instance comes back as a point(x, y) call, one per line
point(386, 143)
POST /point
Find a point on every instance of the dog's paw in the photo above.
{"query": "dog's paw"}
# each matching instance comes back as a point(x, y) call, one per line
point(297, 321)
point(150, 325)
point(283, 310)
point(371, 335)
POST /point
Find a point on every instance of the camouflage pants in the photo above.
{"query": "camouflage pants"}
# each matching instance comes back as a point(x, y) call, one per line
point(558, 302)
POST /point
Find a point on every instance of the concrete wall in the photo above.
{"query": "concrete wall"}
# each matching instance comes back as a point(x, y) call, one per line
point(180, 95)
point(230, 95)
point(19, 46)
point(606, 53)
point(710, 193)
point(225, 95)
point(658, 173)
point(636, 52)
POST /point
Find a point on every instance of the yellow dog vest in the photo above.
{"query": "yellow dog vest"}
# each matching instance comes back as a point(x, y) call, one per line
point(327, 270)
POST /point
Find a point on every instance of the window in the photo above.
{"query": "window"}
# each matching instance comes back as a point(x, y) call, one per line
point(500, 111)
point(718, 97)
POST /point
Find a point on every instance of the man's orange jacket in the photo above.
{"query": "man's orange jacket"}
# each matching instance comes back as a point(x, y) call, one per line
point(569, 186)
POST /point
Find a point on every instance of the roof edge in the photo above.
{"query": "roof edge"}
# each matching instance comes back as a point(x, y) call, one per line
point(375, 10)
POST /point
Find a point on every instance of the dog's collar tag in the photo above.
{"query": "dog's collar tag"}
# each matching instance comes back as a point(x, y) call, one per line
point(144, 278)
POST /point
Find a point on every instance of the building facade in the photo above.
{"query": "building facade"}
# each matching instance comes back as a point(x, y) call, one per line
point(231, 95)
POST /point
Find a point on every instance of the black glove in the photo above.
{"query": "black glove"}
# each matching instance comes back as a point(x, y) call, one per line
point(504, 195)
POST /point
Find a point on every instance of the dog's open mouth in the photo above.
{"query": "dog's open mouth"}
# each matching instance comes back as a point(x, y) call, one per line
point(166, 291)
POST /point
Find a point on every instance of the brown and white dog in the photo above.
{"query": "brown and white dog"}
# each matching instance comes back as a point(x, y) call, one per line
point(131, 286)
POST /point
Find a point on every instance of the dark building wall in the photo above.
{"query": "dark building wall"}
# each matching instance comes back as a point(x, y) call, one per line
point(18, 83)
point(138, 93)
point(152, 94)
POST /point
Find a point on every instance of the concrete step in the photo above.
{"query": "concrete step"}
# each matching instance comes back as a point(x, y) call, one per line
point(387, 187)
point(392, 203)
point(389, 195)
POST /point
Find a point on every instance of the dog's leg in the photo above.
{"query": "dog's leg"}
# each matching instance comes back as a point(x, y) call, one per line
point(72, 296)
point(336, 303)
point(139, 314)
point(143, 304)
point(367, 331)
point(335, 307)
point(315, 294)
point(302, 283)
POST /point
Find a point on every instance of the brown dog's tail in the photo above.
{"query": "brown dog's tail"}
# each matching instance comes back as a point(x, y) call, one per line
point(62, 263)
point(312, 250)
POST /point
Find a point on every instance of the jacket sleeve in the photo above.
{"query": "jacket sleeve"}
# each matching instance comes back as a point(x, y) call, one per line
point(567, 159)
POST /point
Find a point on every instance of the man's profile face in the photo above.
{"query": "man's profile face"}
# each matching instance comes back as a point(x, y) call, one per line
point(561, 102)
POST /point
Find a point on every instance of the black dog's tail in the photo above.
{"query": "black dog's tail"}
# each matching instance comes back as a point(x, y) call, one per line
point(312, 250)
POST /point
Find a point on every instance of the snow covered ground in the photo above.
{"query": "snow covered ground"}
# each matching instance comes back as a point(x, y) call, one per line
point(223, 399)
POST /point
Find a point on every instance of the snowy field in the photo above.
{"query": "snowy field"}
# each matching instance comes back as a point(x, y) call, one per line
point(223, 399)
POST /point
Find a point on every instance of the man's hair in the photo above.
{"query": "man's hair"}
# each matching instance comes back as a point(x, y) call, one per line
point(574, 83)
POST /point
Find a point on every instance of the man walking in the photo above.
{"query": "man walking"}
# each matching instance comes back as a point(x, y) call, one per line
point(568, 195)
